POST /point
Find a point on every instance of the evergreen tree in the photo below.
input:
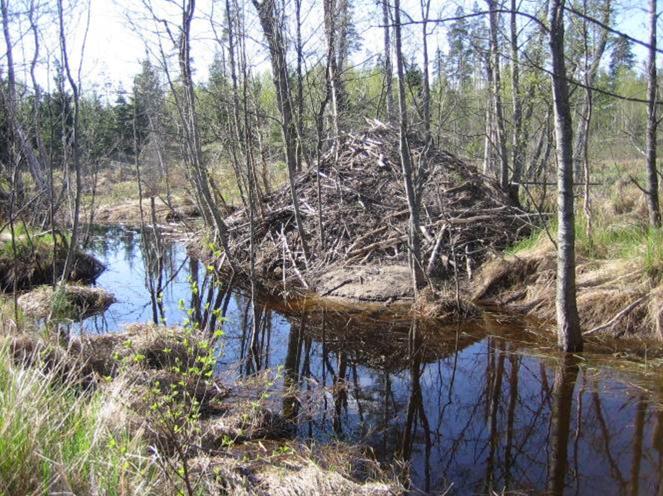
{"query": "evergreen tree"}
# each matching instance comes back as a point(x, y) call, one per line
point(622, 57)
point(458, 66)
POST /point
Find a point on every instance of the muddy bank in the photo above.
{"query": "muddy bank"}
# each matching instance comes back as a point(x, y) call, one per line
point(34, 266)
point(615, 297)
point(128, 212)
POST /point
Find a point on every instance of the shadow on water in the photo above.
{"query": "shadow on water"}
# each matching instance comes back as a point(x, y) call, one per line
point(470, 407)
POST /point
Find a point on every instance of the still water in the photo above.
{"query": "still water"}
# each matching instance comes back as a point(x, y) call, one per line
point(469, 408)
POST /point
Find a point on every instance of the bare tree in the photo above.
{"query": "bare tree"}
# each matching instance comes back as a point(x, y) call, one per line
point(498, 114)
point(425, 13)
point(269, 21)
point(652, 123)
point(569, 336)
point(74, 143)
point(517, 144)
point(414, 240)
point(19, 134)
point(388, 70)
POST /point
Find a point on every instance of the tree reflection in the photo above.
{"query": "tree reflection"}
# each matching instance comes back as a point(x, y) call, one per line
point(566, 374)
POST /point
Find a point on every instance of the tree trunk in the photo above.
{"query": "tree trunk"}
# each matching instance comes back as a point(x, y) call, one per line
point(425, 12)
point(23, 141)
point(75, 152)
point(517, 143)
point(190, 123)
point(590, 71)
point(387, 60)
point(500, 142)
point(406, 161)
point(652, 124)
point(569, 336)
point(277, 50)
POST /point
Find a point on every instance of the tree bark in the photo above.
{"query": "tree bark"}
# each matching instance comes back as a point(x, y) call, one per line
point(34, 166)
point(406, 161)
point(190, 122)
point(517, 144)
point(652, 123)
point(277, 50)
point(425, 12)
point(75, 152)
point(388, 70)
point(500, 141)
point(569, 337)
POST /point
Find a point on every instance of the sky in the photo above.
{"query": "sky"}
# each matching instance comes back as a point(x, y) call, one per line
point(114, 46)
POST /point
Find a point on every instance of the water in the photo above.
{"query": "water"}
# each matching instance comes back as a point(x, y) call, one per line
point(468, 408)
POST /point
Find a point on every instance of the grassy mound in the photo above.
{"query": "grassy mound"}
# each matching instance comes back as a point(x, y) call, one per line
point(619, 279)
point(68, 302)
point(32, 259)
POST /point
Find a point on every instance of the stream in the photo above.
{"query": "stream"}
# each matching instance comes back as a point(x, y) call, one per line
point(471, 407)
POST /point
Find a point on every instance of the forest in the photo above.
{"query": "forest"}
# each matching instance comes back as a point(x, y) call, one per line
point(330, 247)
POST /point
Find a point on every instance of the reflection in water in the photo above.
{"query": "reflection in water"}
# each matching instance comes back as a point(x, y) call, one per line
point(461, 405)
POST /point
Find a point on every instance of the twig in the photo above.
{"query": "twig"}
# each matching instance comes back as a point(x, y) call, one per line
point(618, 316)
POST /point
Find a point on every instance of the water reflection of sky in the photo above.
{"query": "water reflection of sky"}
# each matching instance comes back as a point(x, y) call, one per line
point(485, 414)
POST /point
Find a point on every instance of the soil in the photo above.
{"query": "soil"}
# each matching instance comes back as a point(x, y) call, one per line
point(386, 283)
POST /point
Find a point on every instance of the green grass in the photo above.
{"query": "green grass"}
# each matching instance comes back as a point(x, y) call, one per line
point(608, 241)
point(526, 243)
point(28, 242)
point(653, 256)
point(54, 438)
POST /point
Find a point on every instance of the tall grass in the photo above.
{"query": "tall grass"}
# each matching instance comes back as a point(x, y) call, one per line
point(56, 439)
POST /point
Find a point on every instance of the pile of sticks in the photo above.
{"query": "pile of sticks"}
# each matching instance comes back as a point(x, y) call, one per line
point(357, 196)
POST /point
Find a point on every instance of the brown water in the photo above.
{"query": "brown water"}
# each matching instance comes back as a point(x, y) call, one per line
point(473, 408)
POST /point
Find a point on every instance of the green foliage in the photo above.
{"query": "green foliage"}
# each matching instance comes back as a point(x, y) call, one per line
point(27, 243)
point(55, 439)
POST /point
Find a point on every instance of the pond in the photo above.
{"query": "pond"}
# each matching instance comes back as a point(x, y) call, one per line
point(472, 407)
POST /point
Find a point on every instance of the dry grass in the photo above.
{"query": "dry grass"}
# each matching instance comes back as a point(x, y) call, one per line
point(65, 303)
point(71, 433)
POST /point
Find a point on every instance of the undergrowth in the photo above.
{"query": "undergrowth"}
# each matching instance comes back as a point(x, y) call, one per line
point(56, 439)
point(27, 242)
point(609, 240)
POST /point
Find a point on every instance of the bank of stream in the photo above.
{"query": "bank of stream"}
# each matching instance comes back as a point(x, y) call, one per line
point(485, 406)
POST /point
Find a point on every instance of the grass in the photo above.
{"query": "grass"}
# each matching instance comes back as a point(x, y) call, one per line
point(27, 242)
point(609, 240)
point(54, 438)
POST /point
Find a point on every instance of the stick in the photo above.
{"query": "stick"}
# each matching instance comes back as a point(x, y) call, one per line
point(292, 260)
point(613, 320)
point(436, 248)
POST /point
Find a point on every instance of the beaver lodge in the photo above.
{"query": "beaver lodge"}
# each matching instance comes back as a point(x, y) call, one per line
point(360, 250)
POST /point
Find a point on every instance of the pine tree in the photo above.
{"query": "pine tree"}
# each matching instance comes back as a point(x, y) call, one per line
point(622, 57)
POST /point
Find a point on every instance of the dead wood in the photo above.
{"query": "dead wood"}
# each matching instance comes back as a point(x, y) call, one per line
point(364, 207)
